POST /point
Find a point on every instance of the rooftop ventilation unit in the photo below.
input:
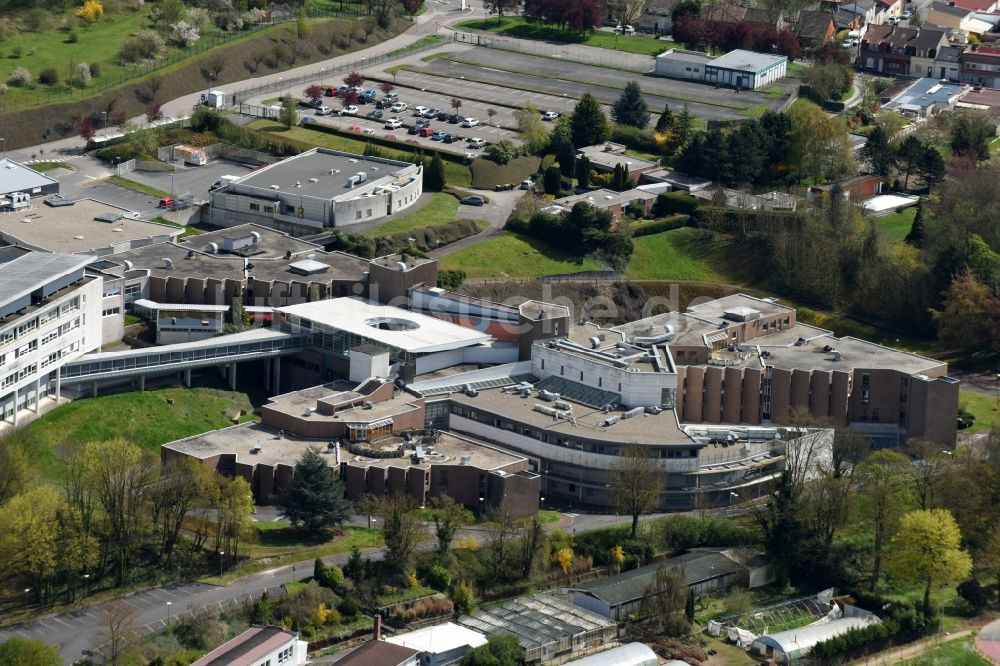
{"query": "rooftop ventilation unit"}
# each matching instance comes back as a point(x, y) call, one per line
point(167, 263)
point(213, 248)
point(548, 396)
point(544, 409)
point(636, 411)
point(127, 264)
point(275, 187)
point(469, 391)
point(611, 420)
point(314, 180)
point(369, 404)
point(562, 405)
point(255, 449)
point(465, 460)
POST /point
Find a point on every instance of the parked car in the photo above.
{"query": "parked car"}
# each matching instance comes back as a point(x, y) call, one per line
point(374, 114)
point(419, 110)
point(414, 129)
point(476, 143)
point(908, 14)
point(307, 120)
point(368, 130)
point(324, 111)
point(438, 136)
point(550, 115)
point(349, 111)
point(391, 97)
point(426, 131)
point(527, 184)
point(316, 101)
point(370, 95)
point(354, 128)
point(167, 202)
point(472, 201)
point(431, 113)
point(450, 138)
point(394, 123)
point(454, 119)
point(443, 115)
point(398, 107)
point(470, 122)
point(849, 43)
point(331, 92)
point(342, 89)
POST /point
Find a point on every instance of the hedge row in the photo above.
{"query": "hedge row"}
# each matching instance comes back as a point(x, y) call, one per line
point(400, 146)
point(672, 203)
point(658, 226)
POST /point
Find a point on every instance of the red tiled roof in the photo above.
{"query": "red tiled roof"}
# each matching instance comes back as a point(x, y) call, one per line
point(976, 5)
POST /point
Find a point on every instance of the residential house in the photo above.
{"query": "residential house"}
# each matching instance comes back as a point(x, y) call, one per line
point(615, 203)
point(982, 99)
point(657, 16)
point(985, 6)
point(947, 63)
point(815, 28)
point(947, 15)
point(888, 9)
point(884, 49)
point(381, 653)
point(606, 156)
point(847, 20)
point(864, 9)
point(924, 49)
point(859, 188)
point(440, 644)
point(981, 66)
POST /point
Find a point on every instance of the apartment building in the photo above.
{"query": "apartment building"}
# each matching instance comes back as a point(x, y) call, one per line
point(981, 66)
point(51, 312)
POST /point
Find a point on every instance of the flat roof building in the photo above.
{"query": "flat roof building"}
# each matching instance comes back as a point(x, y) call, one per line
point(440, 644)
point(738, 68)
point(317, 189)
point(81, 226)
point(256, 646)
point(927, 97)
point(17, 179)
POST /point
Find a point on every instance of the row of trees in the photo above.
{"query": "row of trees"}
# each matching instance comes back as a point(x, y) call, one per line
point(578, 15)
point(696, 33)
point(115, 513)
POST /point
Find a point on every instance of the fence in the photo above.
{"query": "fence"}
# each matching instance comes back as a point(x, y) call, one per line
point(282, 85)
point(126, 167)
point(101, 83)
point(587, 276)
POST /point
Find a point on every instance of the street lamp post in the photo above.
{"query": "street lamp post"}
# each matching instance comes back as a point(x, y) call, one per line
point(26, 591)
point(171, 183)
point(222, 555)
point(86, 584)
point(3, 143)
point(371, 523)
point(105, 122)
point(541, 502)
point(363, 66)
point(462, 87)
point(169, 603)
point(482, 502)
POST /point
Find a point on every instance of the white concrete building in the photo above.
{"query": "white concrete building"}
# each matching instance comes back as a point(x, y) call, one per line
point(441, 644)
point(259, 646)
point(742, 69)
point(50, 314)
point(317, 189)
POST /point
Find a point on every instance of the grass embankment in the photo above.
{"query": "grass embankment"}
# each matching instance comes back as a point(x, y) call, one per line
point(514, 255)
point(189, 229)
point(671, 255)
point(985, 407)
point(515, 26)
point(440, 209)
point(897, 225)
point(455, 174)
point(135, 186)
point(278, 544)
point(958, 652)
point(42, 167)
point(146, 418)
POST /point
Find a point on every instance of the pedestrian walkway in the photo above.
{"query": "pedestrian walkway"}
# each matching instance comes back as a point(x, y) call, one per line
point(988, 641)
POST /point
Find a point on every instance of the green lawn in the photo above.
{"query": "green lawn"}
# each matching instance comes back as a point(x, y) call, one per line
point(145, 418)
point(958, 652)
point(454, 173)
point(515, 26)
point(983, 406)
point(42, 167)
point(671, 255)
point(441, 209)
point(189, 230)
point(141, 188)
point(897, 225)
point(515, 255)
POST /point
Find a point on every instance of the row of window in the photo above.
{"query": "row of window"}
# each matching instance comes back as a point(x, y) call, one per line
point(18, 375)
point(55, 356)
point(256, 208)
point(12, 334)
point(111, 312)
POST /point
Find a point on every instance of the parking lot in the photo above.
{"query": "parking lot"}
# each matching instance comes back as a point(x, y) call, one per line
point(189, 179)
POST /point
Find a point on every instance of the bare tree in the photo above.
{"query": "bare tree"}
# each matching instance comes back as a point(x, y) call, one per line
point(636, 481)
point(214, 66)
point(500, 528)
point(256, 60)
point(402, 529)
point(118, 630)
point(664, 602)
point(530, 542)
point(154, 84)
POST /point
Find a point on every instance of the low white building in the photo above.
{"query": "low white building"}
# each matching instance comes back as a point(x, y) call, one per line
point(739, 68)
point(317, 189)
point(182, 322)
point(259, 646)
point(441, 644)
point(50, 314)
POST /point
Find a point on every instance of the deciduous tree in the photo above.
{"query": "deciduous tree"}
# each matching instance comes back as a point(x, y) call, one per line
point(884, 493)
point(927, 549)
point(28, 652)
point(637, 478)
point(402, 530)
point(448, 516)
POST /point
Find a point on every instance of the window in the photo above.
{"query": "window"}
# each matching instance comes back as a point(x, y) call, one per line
point(30, 347)
point(111, 312)
point(46, 316)
point(27, 326)
point(7, 337)
point(255, 206)
point(133, 292)
point(112, 290)
point(369, 213)
point(269, 209)
point(357, 215)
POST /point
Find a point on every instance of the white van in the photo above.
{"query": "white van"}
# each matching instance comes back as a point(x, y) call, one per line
point(222, 182)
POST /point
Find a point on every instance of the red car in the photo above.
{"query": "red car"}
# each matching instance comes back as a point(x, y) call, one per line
point(331, 92)
point(167, 202)
point(426, 131)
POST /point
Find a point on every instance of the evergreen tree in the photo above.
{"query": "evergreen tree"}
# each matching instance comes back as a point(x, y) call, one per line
point(665, 121)
point(878, 153)
point(588, 124)
point(434, 179)
point(631, 109)
point(916, 236)
point(682, 126)
point(583, 172)
point(566, 156)
point(552, 180)
point(315, 496)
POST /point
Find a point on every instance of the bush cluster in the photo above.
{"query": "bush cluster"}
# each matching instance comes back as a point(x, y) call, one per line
point(671, 203)
point(424, 608)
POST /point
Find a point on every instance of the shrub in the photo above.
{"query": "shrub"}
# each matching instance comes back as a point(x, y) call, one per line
point(463, 597)
point(95, 70)
point(680, 533)
point(72, 37)
point(48, 76)
point(437, 577)
point(36, 19)
point(184, 34)
point(20, 77)
point(635, 138)
point(348, 608)
point(503, 151)
point(81, 75)
point(91, 11)
point(658, 226)
point(16, 52)
point(552, 180)
point(669, 203)
point(329, 576)
point(146, 45)
point(3, 88)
